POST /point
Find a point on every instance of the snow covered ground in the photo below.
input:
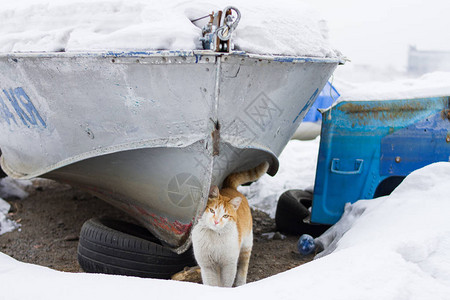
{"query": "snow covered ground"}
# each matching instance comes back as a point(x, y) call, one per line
point(394, 247)
point(10, 188)
point(6, 224)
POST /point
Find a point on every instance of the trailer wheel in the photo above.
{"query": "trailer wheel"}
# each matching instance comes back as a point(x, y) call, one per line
point(292, 208)
point(388, 185)
point(120, 248)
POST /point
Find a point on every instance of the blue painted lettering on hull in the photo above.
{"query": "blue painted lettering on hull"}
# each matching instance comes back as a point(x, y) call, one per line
point(22, 108)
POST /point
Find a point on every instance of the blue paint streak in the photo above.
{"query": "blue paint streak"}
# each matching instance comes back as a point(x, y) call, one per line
point(150, 53)
point(20, 113)
point(295, 59)
point(308, 104)
point(6, 113)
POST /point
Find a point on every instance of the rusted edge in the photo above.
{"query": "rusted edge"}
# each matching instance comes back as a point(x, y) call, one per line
point(364, 108)
point(363, 112)
point(445, 113)
point(216, 138)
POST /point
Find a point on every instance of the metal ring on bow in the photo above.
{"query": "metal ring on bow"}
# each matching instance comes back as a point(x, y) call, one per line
point(229, 25)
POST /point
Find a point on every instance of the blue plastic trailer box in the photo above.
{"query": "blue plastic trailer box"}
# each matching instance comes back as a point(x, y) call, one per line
point(368, 147)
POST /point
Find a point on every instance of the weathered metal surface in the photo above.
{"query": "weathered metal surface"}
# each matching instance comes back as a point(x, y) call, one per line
point(365, 143)
point(150, 131)
point(365, 112)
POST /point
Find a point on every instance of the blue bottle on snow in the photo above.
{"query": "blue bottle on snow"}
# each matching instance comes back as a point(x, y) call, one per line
point(306, 244)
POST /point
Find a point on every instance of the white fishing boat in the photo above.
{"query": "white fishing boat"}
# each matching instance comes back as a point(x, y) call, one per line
point(151, 131)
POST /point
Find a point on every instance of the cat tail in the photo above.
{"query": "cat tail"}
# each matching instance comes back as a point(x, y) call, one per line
point(236, 179)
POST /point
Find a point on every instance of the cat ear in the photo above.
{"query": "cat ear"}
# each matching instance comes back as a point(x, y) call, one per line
point(236, 202)
point(213, 192)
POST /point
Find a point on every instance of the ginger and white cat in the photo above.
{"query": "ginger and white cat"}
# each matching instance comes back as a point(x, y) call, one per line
point(223, 236)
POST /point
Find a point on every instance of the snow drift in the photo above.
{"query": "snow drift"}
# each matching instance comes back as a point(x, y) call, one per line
point(395, 247)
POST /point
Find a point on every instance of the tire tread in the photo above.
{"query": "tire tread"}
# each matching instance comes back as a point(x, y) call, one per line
point(107, 250)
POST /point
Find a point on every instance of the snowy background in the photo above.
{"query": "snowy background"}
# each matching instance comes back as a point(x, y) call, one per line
point(394, 247)
point(376, 35)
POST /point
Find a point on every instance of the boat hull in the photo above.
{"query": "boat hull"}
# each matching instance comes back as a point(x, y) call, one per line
point(150, 132)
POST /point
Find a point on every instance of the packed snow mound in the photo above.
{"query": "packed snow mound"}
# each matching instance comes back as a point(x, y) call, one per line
point(429, 85)
point(287, 28)
point(409, 226)
point(10, 187)
point(395, 247)
point(6, 224)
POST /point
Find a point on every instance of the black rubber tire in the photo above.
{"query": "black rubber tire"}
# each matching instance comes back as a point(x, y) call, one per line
point(115, 247)
point(292, 208)
point(388, 185)
point(2, 173)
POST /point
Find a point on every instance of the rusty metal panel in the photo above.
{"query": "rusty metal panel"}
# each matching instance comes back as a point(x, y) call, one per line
point(364, 143)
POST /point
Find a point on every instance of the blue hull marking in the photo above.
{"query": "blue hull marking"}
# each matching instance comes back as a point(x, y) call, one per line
point(6, 113)
point(308, 104)
point(22, 106)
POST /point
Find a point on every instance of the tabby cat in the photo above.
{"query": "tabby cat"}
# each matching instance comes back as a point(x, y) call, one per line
point(223, 236)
